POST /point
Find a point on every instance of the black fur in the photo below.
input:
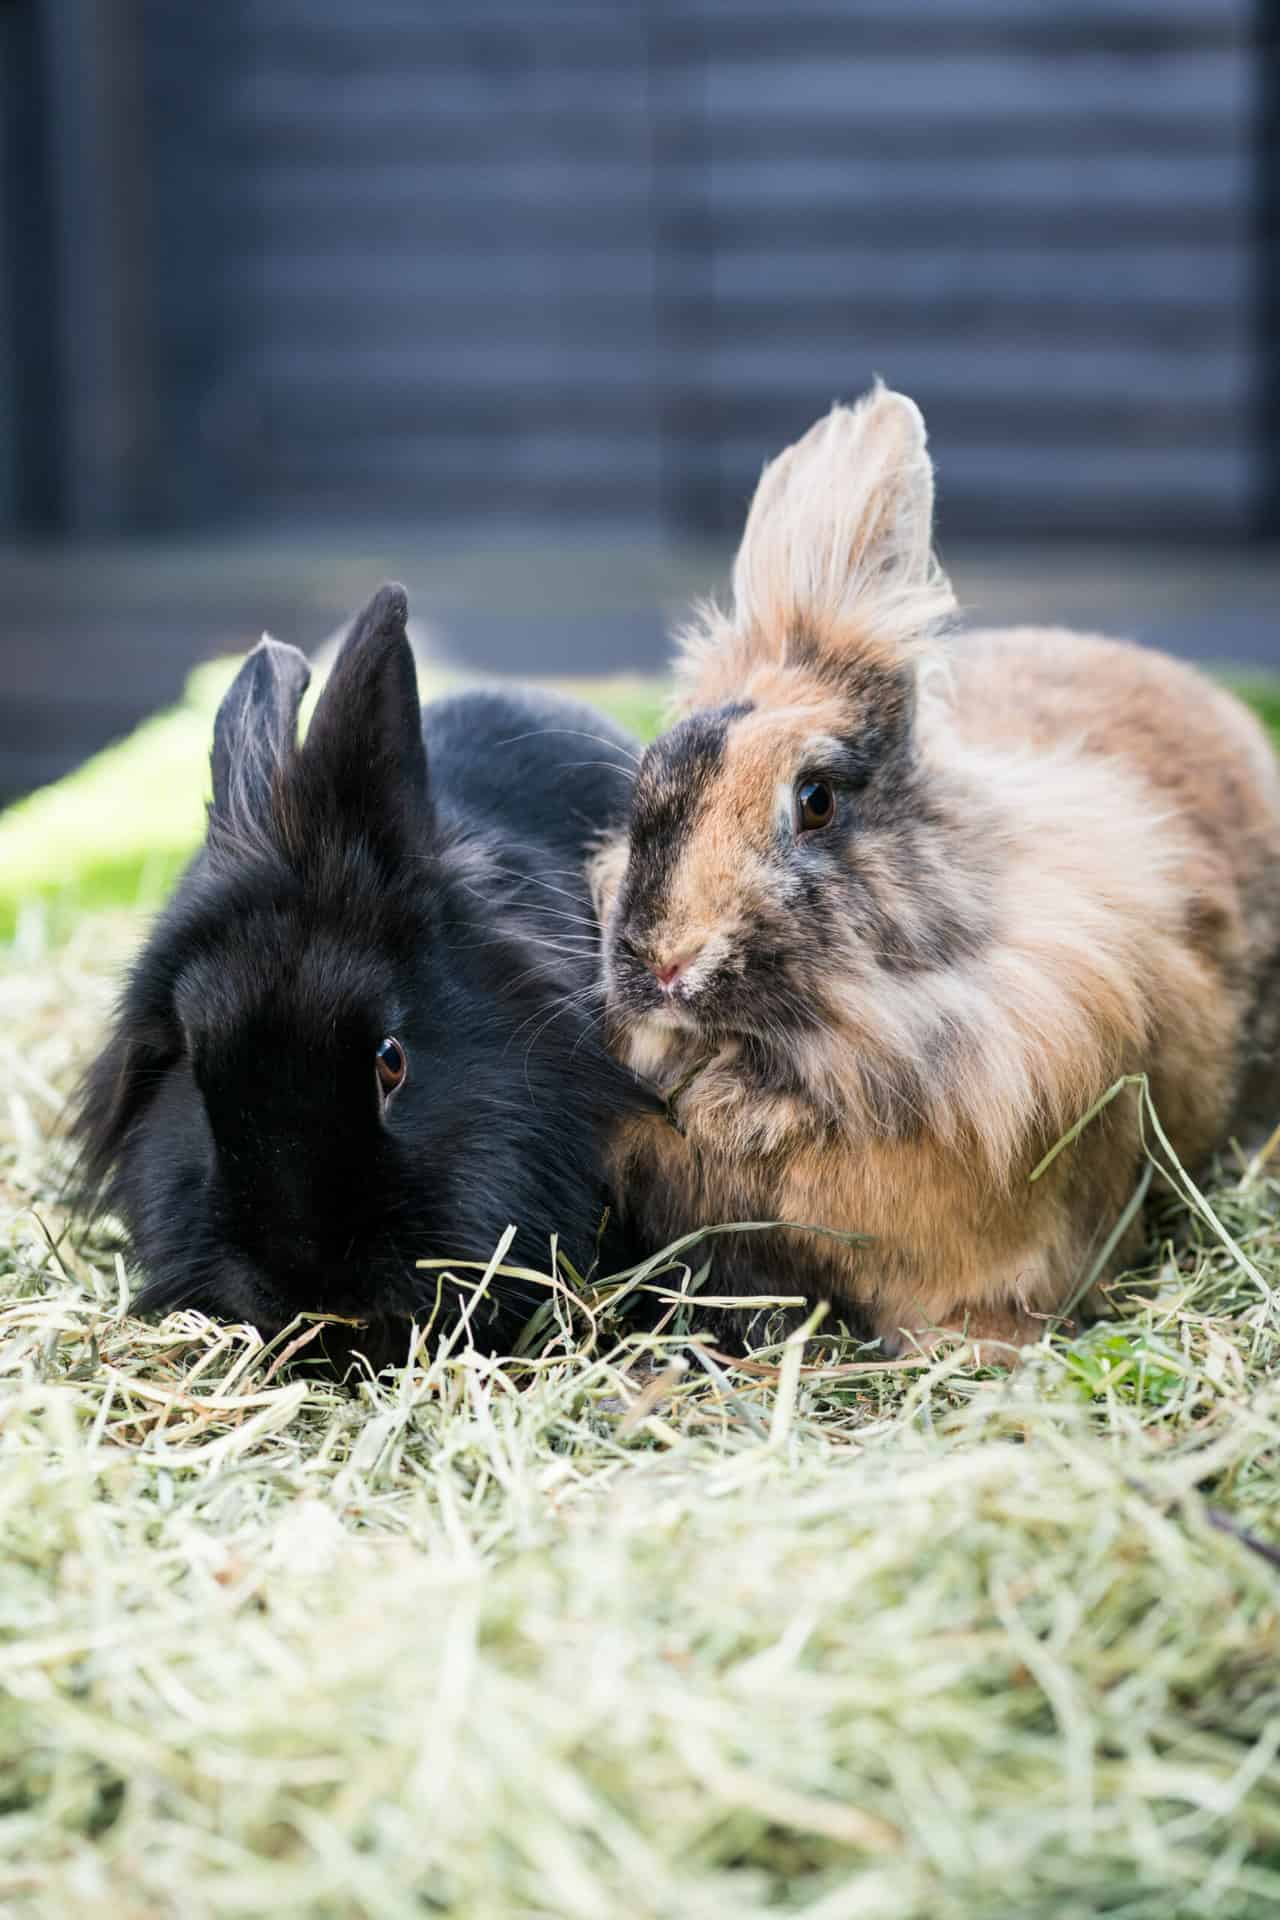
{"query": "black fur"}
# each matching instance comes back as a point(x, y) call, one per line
point(408, 874)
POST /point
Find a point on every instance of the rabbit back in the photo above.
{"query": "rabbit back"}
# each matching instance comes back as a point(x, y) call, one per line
point(1206, 771)
point(533, 767)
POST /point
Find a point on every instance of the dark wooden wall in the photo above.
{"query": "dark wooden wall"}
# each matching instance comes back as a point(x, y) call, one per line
point(415, 258)
point(8, 339)
point(1038, 218)
point(31, 465)
point(447, 258)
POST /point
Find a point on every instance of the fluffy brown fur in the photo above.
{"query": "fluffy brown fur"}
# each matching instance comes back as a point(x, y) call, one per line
point(1054, 859)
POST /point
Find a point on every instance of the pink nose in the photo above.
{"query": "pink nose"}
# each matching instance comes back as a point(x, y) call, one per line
point(667, 976)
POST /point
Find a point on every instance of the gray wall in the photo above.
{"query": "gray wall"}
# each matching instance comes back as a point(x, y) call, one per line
point(401, 260)
point(8, 340)
point(1037, 218)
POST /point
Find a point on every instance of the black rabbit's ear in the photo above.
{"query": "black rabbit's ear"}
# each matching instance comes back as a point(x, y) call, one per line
point(256, 726)
point(365, 740)
point(110, 1097)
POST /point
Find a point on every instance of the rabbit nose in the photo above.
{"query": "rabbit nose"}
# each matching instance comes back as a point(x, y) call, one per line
point(667, 972)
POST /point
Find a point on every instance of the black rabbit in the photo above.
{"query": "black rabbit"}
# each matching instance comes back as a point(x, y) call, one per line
point(364, 1032)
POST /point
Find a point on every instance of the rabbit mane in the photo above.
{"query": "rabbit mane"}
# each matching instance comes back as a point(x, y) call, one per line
point(998, 1050)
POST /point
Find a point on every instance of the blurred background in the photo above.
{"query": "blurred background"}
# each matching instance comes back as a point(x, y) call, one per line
point(511, 299)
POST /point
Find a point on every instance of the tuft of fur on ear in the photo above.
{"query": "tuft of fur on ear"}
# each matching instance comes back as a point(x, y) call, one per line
point(256, 726)
point(838, 545)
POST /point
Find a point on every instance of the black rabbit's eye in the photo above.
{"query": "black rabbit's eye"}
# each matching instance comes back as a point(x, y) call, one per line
point(815, 806)
point(392, 1065)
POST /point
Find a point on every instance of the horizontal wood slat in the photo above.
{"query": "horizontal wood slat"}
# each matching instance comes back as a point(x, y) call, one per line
point(606, 258)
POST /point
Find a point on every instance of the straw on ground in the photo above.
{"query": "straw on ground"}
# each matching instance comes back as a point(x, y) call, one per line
point(621, 1627)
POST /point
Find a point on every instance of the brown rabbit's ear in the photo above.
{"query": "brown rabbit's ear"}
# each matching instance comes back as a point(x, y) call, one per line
point(256, 725)
point(364, 744)
point(838, 542)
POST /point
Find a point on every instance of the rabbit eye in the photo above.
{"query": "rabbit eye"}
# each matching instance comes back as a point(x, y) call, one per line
point(392, 1066)
point(815, 806)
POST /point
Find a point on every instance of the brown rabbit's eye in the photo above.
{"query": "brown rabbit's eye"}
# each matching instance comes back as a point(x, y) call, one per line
point(392, 1065)
point(816, 805)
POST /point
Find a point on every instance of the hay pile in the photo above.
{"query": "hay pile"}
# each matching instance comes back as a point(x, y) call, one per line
point(618, 1629)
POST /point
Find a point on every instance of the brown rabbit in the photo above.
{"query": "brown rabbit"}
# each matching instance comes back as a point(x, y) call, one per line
point(893, 913)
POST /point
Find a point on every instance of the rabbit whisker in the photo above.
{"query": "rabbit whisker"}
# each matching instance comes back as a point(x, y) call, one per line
point(578, 733)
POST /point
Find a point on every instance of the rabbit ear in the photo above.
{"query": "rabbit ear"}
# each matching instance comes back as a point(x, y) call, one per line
point(256, 726)
point(365, 739)
point(839, 537)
